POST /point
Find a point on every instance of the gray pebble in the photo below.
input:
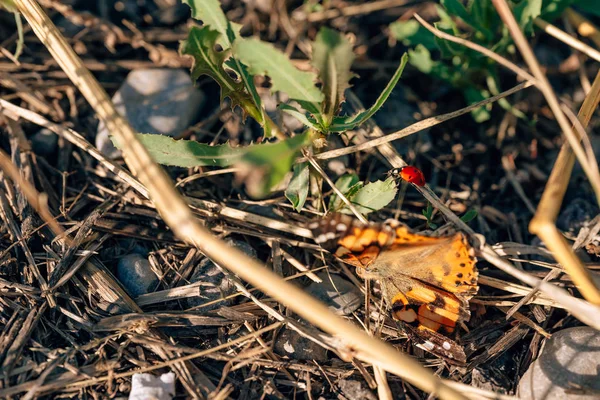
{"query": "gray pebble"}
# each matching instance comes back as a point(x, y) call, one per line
point(136, 275)
point(290, 344)
point(215, 284)
point(355, 390)
point(44, 142)
point(341, 296)
point(567, 368)
point(156, 100)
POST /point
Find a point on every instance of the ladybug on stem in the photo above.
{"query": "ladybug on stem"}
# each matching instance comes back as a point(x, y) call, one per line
point(410, 174)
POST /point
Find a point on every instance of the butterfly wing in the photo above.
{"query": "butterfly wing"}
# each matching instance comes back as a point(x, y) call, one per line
point(427, 313)
point(427, 281)
point(351, 241)
point(444, 262)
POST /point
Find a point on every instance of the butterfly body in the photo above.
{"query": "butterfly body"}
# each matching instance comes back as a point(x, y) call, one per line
point(426, 281)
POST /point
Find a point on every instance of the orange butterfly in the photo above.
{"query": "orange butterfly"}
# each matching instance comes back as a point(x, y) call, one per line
point(427, 281)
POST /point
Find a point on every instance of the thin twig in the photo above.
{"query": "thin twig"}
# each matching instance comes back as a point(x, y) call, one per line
point(568, 39)
point(337, 191)
point(418, 126)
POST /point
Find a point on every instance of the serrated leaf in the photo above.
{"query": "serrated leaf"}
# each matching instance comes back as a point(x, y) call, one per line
point(344, 123)
point(265, 165)
point(262, 166)
point(348, 184)
point(200, 44)
point(332, 56)
point(469, 216)
point(263, 58)
point(297, 190)
point(188, 153)
point(211, 14)
point(373, 196)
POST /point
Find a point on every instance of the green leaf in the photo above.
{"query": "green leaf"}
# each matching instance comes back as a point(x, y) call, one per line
point(552, 9)
point(300, 116)
point(469, 216)
point(525, 12)
point(412, 33)
point(344, 123)
point(297, 190)
point(373, 196)
point(455, 7)
point(262, 166)
point(265, 165)
point(332, 56)
point(420, 58)
point(211, 14)
point(188, 153)
point(474, 95)
point(264, 59)
point(428, 213)
point(348, 184)
point(207, 61)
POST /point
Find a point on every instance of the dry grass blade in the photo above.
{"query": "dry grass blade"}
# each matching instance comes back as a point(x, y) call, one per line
point(37, 200)
point(499, 59)
point(584, 27)
point(337, 191)
point(568, 39)
point(179, 217)
point(544, 86)
point(543, 223)
point(418, 126)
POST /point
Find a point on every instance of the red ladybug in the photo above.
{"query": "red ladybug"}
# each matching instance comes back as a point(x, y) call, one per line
point(410, 174)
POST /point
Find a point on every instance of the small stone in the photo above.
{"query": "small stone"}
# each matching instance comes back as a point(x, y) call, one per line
point(148, 386)
point(355, 390)
point(44, 142)
point(155, 100)
point(136, 275)
point(341, 296)
point(215, 285)
point(567, 368)
point(291, 344)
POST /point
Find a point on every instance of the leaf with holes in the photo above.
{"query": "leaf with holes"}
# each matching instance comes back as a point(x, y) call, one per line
point(200, 44)
point(188, 153)
point(211, 14)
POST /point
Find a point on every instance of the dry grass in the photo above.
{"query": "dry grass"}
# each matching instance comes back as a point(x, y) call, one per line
point(70, 329)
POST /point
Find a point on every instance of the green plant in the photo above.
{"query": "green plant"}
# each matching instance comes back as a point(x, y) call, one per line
point(475, 75)
point(233, 66)
point(428, 213)
point(10, 5)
